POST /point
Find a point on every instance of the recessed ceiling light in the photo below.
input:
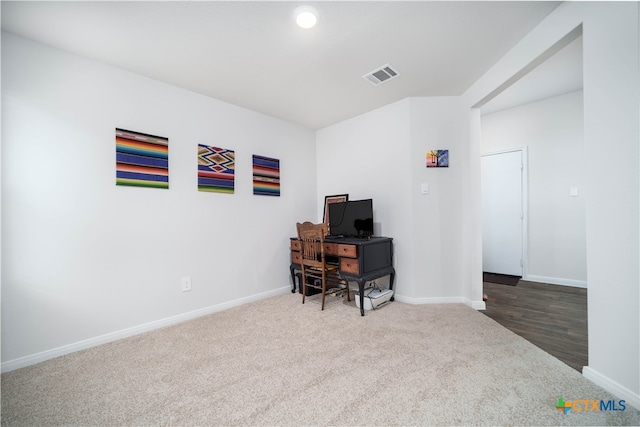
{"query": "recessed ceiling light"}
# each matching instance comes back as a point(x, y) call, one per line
point(306, 17)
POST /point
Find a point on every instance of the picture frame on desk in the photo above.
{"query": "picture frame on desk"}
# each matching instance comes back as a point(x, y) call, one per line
point(338, 198)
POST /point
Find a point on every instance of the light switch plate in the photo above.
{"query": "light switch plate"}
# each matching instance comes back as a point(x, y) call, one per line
point(424, 188)
point(573, 191)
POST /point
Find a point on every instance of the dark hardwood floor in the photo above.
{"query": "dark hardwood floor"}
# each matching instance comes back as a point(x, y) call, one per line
point(552, 317)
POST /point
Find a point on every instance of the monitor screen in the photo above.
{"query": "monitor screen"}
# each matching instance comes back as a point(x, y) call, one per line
point(351, 219)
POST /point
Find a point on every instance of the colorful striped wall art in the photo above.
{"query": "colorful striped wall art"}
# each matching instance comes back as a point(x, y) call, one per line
point(216, 169)
point(142, 160)
point(266, 176)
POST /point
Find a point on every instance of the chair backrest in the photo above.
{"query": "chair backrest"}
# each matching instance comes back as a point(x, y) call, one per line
point(311, 238)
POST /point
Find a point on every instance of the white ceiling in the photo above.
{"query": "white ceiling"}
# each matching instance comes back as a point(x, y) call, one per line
point(253, 55)
point(560, 74)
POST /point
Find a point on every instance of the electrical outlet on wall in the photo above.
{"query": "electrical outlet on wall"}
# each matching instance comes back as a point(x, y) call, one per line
point(185, 284)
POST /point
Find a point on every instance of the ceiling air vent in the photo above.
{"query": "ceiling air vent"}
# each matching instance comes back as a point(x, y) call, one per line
point(381, 75)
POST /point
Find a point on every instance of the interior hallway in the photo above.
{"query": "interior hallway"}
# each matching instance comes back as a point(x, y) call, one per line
point(552, 317)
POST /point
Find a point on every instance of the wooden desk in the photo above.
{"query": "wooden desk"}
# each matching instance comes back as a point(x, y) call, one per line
point(359, 260)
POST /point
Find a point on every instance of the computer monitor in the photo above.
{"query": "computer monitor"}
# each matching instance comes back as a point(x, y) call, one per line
point(351, 219)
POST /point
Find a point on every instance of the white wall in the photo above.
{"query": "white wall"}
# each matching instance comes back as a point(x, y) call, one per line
point(438, 238)
point(84, 260)
point(552, 129)
point(365, 157)
point(381, 154)
point(611, 117)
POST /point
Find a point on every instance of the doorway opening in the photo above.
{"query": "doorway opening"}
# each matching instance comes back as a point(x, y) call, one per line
point(553, 246)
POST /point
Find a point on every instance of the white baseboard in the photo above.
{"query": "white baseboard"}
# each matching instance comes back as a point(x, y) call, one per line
point(556, 281)
point(476, 305)
point(612, 387)
point(32, 359)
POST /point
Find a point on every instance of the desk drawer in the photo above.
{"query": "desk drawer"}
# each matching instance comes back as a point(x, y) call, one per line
point(331, 248)
point(348, 265)
point(350, 251)
point(296, 257)
point(296, 245)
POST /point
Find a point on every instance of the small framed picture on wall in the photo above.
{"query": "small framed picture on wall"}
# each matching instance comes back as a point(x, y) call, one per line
point(437, 158)
point(332, 199)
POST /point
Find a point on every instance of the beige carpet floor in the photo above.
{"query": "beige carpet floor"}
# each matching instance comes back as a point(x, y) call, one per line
point(278, 362)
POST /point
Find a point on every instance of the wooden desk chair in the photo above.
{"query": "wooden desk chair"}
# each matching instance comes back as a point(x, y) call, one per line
point(313, 261)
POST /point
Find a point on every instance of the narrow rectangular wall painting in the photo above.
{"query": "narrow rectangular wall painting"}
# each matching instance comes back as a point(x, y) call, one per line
point(266, 176)
point(438, 158)
point(216, 169)
point(142, 160)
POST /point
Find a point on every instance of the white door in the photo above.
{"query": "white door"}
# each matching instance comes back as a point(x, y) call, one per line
point(502, 213)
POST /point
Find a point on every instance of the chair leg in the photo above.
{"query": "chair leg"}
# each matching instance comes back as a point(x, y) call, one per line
point(346, 282)
point(324, 288)
point(303, 279)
